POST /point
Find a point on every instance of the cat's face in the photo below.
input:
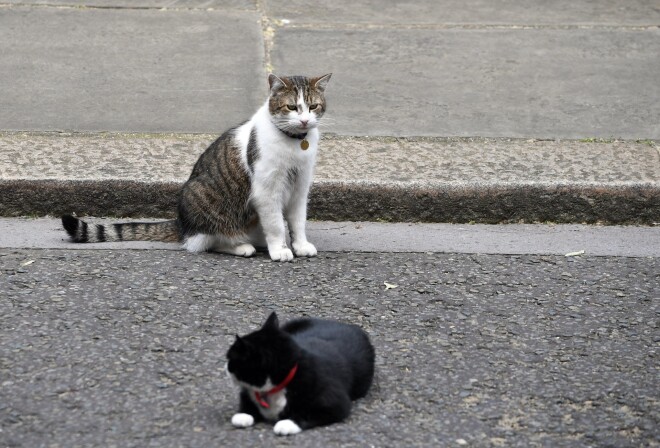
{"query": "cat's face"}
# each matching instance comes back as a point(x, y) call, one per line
point(255, 358)
point(297, 103)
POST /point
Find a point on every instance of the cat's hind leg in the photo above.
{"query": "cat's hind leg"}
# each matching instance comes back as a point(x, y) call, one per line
point(200, 242)
point(242, 250)
point(333, 406)
point(233, 246)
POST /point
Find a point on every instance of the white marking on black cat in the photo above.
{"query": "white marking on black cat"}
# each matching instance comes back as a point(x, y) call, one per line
point(286, 428)
point(276, 402)
point(301, 375)
point(241, 420)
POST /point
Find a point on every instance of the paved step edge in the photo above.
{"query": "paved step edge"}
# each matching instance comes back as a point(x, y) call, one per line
point(491, 203)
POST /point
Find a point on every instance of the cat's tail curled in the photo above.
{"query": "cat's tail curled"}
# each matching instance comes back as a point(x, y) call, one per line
point(82, 232)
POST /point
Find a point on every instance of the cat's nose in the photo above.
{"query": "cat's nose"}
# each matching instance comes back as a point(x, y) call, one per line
point(304, 123)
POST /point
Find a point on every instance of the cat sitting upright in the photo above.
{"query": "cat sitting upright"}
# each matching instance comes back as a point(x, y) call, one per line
point(301, 375)
point(245, 184)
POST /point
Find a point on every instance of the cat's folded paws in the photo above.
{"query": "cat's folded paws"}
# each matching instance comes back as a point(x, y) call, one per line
point(280, 254)
point(286, 428)
point(305, 249)
point(241, 420)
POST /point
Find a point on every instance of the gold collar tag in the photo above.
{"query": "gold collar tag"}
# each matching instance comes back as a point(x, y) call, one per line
point(304, 144)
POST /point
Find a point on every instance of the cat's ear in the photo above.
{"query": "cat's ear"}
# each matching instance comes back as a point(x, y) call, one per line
point(272, 322)
point(275, 83)
point(321, 82)
point(239, 343)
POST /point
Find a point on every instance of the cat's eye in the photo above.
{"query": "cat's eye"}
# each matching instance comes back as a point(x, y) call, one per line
point(291, 107)
point(313, 106)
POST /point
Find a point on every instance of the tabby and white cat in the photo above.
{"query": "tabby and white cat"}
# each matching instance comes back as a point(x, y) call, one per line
point(245, 185)
point(301, 375)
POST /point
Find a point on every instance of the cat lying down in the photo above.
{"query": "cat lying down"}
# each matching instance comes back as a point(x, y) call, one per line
point(301, 375)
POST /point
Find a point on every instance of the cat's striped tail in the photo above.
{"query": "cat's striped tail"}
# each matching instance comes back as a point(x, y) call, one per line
point(82, 232)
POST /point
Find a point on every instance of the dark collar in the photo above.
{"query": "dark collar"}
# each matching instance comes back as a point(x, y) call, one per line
point(298, 136)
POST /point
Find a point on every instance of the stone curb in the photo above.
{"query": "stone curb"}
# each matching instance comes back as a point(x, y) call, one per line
point(454, 180)
point(359, 201)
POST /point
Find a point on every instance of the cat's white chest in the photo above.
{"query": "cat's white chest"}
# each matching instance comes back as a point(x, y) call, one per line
point(277, 403)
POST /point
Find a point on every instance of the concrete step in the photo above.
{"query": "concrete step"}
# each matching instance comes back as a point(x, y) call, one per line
point(457, 180)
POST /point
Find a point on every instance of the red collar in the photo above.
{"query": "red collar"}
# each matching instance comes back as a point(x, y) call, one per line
point(261, 397)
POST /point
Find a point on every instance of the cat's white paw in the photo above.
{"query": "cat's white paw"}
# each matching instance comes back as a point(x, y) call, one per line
point(282, 254)
point(241, 420)
point(286, 428)
point(305, 249)
point(244, 250)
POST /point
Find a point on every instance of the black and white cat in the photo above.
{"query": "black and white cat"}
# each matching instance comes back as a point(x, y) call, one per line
point(301, 375)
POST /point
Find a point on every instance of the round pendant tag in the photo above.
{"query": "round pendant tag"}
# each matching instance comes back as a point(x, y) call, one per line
point(304, 144)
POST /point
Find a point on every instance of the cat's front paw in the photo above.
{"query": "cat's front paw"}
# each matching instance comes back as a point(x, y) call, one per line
point(241, 420)
point(286, 428)
point(280, 254)
point(305, 249)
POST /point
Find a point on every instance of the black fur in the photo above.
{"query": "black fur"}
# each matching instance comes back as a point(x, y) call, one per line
point(84, 237)
point(70, 224)
point(118, 231)
point(100, 233)
point(335, 365)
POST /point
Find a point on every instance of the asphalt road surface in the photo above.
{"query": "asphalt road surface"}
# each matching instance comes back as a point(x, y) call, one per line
point(126, 347)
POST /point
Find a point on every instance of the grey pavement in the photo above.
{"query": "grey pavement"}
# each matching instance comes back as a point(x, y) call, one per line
point(332, 236)
point(522, 87)
point(126, 348)
point(488, 69)
point(127, 69)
